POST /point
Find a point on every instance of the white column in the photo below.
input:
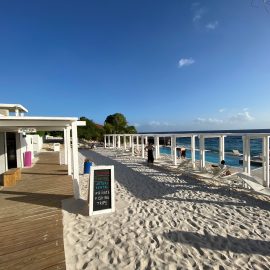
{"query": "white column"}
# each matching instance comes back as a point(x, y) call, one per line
point(137, 142)
point(76, 179)
point(125, 142)
point(105, 141)
point(118, 141)
point(246, 154)
point(130, 142)
point(221, 148)
point(193, 151)
point(142, 144)
point(158, 150)
point(132, 145)
point(156, 146)
point(173, 149)
point(146, 140)
point(65, 147)
point(266, 161)
point(69, 161)
point(202, 153)
point(114, 141)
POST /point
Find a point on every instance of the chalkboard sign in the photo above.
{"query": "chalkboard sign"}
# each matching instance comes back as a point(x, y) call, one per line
point(101, 191)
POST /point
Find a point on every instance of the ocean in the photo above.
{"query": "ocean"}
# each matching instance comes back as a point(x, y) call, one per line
point(212, 145)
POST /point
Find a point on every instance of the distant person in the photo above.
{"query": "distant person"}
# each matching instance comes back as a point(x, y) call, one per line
point(178, 152)
point(150, 148)
point(183, 152)
point(222, 166)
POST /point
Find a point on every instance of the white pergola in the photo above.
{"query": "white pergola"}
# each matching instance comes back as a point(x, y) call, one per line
point(114, 141)
point(66, 124)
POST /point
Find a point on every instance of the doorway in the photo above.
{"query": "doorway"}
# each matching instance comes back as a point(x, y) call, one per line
point(11, 150)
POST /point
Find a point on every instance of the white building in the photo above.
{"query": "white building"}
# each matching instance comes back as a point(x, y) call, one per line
point(14, 140)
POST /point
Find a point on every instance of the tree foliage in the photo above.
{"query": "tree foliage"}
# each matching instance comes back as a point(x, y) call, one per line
point(91, 131)
point(117, 124)
point(114, 124)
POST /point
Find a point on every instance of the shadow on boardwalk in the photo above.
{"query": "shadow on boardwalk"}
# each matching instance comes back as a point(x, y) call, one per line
point(44, 199)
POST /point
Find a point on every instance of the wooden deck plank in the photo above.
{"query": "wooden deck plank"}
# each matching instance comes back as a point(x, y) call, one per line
point(31, 234)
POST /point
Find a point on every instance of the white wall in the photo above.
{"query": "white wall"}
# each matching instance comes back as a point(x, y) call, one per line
point(27, 145)
point(18, 151)
point(37, 143)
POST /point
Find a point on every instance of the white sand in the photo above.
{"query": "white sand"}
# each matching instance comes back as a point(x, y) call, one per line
point(166, 221)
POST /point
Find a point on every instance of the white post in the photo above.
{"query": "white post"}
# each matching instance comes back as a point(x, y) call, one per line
point(118, 141)
point(202, 153)
point(114, 141)
point(146, 140)
point(125, 142)
point(221, 148)
point(156, 146)
point(266, 161)
point(193, 151)
point(157, 149)
point(246, 154)
point(137, 142)
point(132, 145)
point(142, 144)
point(173, 149)
point(105, 141)
point(76, 179)
point(65, 147)
point(68, 150)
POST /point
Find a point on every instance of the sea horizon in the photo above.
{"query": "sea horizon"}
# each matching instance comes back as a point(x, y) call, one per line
point(263, 130)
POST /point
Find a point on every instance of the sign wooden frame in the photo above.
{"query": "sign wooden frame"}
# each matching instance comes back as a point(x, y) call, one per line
point(91, 190)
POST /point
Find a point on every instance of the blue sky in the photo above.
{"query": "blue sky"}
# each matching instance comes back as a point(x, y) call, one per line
point(166, 65)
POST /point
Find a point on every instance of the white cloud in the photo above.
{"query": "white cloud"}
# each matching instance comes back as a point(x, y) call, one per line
point(136, 125)
point(185, 62)
point(241, 117)
point(157, 123)
point(198, 14)
point(222, 110)
point(195, 4)
point(212, 25)
point(209, 120)
point(154, 123)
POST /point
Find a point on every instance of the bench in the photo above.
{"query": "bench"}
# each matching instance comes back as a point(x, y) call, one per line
point(11, 176)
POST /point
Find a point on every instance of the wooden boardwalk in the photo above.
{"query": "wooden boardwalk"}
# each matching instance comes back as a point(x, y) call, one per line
point(31, 231)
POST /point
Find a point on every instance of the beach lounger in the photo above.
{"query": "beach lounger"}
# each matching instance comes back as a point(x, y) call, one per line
point(237, 153)
point(250, 181)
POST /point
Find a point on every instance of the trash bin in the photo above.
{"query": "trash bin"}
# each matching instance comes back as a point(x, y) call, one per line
point(86, 167)
point(27, 159)
point(56, 147)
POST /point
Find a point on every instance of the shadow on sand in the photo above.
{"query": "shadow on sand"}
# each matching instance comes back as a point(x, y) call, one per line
point(218, 242)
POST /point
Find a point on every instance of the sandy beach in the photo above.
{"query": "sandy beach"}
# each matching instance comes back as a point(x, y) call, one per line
point(166, 220)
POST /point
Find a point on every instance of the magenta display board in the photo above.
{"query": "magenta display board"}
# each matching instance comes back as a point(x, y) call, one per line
point(27, 159)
